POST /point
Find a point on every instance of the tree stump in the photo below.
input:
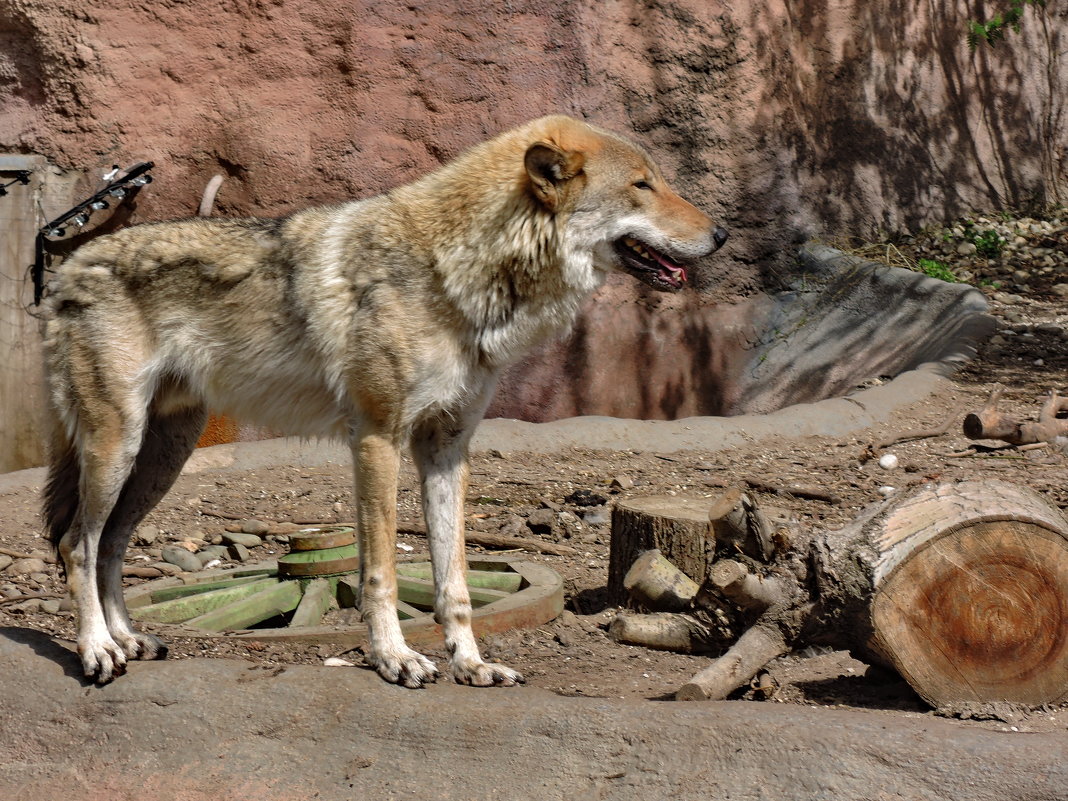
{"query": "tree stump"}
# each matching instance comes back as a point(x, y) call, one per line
point(677, 526)
point(962, 588)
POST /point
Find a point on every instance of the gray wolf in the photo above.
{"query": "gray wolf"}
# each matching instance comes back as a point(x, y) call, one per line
point(383, 321)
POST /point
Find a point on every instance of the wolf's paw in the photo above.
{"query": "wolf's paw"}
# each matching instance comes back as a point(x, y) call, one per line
point(485, 674)
point(102, 659)
point(139, 645)
point(403, 666)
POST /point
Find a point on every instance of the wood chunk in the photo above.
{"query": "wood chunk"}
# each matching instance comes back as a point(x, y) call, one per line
point(675, 525)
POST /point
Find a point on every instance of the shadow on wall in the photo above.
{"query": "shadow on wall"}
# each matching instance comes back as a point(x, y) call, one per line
point(845, 322)
point(791, 120)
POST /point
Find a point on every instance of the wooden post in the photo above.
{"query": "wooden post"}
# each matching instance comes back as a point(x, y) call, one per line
point(675, 525)
point(22, 397)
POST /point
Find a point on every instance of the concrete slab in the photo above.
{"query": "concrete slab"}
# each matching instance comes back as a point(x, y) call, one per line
point(225, 729)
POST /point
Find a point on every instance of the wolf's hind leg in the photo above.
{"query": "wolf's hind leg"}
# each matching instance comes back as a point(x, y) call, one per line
point(107, 446)
point(168, 441)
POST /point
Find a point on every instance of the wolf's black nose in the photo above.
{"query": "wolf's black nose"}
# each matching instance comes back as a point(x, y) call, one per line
point(719, 236)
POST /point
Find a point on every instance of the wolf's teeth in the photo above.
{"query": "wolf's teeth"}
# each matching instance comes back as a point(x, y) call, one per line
point(629, 242)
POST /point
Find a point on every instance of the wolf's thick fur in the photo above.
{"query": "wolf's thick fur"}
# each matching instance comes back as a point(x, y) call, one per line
point(384, 321)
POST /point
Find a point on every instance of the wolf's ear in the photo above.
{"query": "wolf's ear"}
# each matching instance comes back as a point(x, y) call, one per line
point(549, 168)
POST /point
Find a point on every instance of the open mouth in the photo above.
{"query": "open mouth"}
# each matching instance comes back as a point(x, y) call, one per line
point(649, 265)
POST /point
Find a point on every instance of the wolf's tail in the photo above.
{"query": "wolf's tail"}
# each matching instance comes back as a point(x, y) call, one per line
point(61, 489)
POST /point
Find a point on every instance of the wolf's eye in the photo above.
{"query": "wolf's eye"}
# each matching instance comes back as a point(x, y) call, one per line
point(643, 185)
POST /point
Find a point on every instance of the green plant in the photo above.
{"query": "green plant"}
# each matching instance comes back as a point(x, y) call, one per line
point(993, 30)
point(936, 269)
point(987, 243)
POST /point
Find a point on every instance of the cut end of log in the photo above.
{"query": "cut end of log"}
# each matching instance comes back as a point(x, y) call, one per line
point(970, 606)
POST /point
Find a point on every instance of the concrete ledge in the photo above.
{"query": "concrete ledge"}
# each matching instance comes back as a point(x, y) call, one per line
point(225, 729)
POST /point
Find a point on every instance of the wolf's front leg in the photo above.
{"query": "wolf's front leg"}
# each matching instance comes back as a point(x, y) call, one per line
point(376, 459)
point(441, 456)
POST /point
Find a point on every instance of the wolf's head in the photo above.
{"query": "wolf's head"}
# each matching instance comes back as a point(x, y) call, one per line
point(615, 207)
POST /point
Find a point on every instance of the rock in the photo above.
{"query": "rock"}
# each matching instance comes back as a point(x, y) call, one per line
point(205, 555)
point(166, 568)
point(146, 534)
point(32, 605)
point(1049, 328)
point(598, 516)
point(182, 558)
point(1060, 290)
point(239, 552)
point(513, 526)
point(40, 578)
point(10, 591)
point(51, 606)
point(141, 571)
point(66, 604)
point(583, 497)
point(5, 562)
point(966, 249)
point(257, 527)
point(888, 461)
point(337, 661)
point(621, 482)
point(24, 567)
point(245, 538)
point(542, 522)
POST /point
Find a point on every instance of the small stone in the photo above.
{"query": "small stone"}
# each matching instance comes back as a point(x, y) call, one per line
point(205, 555)
point(584, 497)
point(51, 606)
point(10, 591)
point(146, 534)
point(1060, 290)
point(40, 578)
point(496, 454)
point(215, 539)
point(257, 527)
point(24, 567)
point(166, 568)
point(966, 249)
point(886, 492)
point(337, 661)
point(238, 552)
point(888, 461)
point(621, 482)
point(5, 562)
point(140, 571)
point(596, 517)
point(182, 558)
point(513, 526)
point(32, 605)
point(242, 538)
point(542, 521)
point(1049, 328)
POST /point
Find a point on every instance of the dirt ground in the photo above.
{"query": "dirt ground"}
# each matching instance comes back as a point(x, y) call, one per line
point(574, 655)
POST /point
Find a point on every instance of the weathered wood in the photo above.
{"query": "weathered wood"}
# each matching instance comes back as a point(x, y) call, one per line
point(754, 649)
point(748, 591)
point(179, 608)
point(317, 597)
point(663, 631)
point(675, 525)
point(989, 423)
point(963, 588)
point(656, 584)
point(738, 521)
point(270, 602)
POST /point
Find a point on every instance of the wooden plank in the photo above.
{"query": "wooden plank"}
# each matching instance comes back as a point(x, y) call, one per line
point(312, 607)
point(182, 590)
point(281, 598)
point(490, 579)
point(23, 430)
point(177, 610)
point(420, 592)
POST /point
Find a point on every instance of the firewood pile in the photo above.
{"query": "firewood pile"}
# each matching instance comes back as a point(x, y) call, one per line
point(960, 587)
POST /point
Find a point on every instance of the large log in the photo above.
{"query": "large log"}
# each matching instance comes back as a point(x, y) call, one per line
point(962, 588)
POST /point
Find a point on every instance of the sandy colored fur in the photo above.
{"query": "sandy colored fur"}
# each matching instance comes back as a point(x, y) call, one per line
point(383, 321)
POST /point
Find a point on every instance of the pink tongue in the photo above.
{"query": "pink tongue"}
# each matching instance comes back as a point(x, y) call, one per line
point(672, 269)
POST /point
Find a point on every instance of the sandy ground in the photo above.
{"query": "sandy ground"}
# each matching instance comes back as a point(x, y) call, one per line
point(573, 656)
